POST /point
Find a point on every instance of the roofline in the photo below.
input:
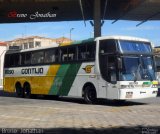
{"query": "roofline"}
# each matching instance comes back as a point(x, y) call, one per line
point(121, 37)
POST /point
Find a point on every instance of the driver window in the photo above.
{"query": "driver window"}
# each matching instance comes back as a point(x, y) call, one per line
point(111, 71)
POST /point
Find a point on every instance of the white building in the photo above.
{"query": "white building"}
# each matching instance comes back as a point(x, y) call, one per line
point(37, 41)
point(3, 48)
point(32, 42)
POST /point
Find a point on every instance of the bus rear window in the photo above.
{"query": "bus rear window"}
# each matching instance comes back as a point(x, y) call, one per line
point(12, 60)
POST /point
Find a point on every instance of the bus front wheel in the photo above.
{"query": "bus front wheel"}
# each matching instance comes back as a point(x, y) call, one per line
point(90, 94)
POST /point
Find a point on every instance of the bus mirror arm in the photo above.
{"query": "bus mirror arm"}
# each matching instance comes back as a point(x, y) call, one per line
point(119, 61)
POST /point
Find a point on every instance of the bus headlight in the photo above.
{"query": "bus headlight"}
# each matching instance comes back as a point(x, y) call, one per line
point(127, 86)
point(154, 84)
point(124, 86)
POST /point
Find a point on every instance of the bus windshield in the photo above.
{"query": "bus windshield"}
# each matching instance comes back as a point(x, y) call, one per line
point(137, 68)
point(134, 46)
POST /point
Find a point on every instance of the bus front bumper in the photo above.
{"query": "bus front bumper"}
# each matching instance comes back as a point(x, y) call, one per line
point(137, 93)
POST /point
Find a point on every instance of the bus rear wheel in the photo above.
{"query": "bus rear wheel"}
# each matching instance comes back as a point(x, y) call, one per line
point(90, 96)
point(27, 90)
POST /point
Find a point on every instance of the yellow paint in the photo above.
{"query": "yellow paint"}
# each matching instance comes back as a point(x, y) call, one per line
point(65, 44)
point(155, 82)
point(39, 84)
point(53, 70)
point(88, 68)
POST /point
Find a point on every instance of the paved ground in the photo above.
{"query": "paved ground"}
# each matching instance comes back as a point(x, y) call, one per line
point(72, 115)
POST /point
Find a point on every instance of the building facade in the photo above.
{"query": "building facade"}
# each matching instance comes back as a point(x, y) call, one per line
point(37, 41)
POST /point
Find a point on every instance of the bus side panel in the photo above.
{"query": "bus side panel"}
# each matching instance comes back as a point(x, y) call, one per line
point(43, 84)
point(9, 84)
point(64, 79)
point(85, 75)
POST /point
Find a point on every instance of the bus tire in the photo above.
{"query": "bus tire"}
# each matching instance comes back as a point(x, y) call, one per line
point(90, 95)
point(27, 90)
point(119, 102)
point(19, 90)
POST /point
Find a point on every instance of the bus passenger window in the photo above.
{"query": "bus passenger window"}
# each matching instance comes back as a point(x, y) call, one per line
point(27, 58)
point(14, 60)
point(82, 52)
point(107, 46)
point(72, 54)
point(90, 51)
point(7, 61)
point(49, 56)
point(64, 55)
point(37, 58)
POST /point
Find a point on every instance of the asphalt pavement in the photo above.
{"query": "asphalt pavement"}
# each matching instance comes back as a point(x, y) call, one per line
point(71, 115)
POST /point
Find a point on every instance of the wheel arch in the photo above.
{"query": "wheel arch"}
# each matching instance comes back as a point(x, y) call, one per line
point(18, 84)
point(26, 83)
point(88, 84)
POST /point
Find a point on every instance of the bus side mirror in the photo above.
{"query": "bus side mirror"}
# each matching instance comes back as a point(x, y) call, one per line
point(119, 63)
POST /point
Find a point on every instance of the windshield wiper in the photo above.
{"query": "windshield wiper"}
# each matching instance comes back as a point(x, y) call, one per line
point(134, 74)
point(137, 73)
point(149, 75)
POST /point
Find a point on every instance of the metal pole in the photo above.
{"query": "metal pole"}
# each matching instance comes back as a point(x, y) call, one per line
point(97, 18)
point(70, 32)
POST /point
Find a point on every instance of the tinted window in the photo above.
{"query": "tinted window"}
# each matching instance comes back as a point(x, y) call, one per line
point(37, 57)
point(51, 56)
point(68, 53)
point(82, 52)
point(132, 46)
point(107, 46)
point(86, 52)
point(12, 60)
point(72, 55)
point(90, 51)
point(25, 58)
point(64, 54)
point(7, 61)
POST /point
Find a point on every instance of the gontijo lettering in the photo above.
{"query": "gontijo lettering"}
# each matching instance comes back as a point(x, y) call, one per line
point(32, 71)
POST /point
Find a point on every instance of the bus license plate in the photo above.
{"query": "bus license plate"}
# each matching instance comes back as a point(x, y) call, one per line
point(129, 95)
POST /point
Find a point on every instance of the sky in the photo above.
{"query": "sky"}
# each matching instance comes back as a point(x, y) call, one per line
point(149, 30)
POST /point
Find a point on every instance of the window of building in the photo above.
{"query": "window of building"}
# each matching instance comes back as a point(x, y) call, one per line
point(31, 45)
point(25, 46)
point(37, 44)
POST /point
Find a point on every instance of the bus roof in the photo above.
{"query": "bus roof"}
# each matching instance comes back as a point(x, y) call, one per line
point(117, 37)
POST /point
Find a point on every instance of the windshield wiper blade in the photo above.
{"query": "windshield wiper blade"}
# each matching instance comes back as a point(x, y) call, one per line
point(137, 73)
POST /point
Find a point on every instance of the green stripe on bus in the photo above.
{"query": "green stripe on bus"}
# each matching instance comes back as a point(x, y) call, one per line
point(69, 79)
point(64, 79)
point(58, 79)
